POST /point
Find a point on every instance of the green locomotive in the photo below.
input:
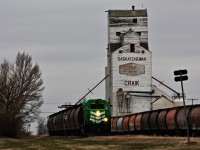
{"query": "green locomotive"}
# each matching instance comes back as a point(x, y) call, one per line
point(90, 117)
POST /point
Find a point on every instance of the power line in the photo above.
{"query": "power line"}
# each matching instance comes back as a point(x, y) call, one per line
point(53, 103)
point(47, 112)
point(90, 91)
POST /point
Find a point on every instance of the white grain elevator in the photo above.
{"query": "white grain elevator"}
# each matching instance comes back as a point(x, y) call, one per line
point(129, 62)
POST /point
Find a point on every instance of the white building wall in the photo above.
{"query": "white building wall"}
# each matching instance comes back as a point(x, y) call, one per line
point(162, 103)
point(137, 60)
point(133, 79)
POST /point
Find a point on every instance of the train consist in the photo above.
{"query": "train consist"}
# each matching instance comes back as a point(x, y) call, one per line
point(91, 116)
point(169, 121)
point(94, 117)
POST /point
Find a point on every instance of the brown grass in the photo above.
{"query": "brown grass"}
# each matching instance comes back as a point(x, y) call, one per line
point(118, 142)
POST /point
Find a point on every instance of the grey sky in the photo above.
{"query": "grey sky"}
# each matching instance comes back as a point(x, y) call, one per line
point(68, 39)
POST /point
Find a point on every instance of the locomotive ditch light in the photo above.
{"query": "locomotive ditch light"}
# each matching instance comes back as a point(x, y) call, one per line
point(105, 119)
point(98, 113)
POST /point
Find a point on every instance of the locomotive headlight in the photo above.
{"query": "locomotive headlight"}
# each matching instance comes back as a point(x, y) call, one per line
point(98, 113)
point(105, 119)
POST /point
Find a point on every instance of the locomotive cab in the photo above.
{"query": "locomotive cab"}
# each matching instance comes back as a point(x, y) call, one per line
point(97, 116)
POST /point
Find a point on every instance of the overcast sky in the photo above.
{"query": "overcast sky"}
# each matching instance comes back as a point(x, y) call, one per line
point(68, 39)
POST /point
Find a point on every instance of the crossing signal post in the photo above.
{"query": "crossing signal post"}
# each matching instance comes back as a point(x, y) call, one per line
point(181, 75)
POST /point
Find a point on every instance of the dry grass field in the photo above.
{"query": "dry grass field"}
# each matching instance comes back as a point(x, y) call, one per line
point(122, 142)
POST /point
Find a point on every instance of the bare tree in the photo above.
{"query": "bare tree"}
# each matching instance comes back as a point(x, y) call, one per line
point(20, 94)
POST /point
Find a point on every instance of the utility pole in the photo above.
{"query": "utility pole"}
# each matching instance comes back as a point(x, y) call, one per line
point(193, 99)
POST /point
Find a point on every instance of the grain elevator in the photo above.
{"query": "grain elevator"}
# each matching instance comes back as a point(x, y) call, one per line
point(129, 63)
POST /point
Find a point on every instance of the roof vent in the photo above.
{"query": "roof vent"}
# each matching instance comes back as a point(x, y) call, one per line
point(133, 7)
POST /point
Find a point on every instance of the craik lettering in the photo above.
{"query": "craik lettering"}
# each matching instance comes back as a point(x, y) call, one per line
point(131, 83)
